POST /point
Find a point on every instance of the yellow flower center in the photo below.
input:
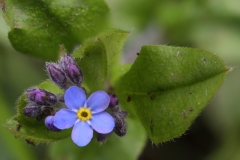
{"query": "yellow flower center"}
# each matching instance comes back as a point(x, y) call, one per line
point(84, 114)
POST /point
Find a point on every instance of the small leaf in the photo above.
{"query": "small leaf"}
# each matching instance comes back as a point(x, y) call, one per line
point(39, 27)
point(98, 56)
point(32, 129)
point(93, 65)
point(129, 146)
point(169, 86)
point(113, 41)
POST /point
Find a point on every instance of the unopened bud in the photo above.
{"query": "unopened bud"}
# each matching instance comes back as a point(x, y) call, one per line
point(60, 98)
point(46, 111)
point(56, 74)
point(49, 124)
point(74, 74)
point(65, 61)
point(113, 100)
point(123, 114)
point(32, 110)
point(101, 138)
point(120, 126)
point(69, 66)
point(41, 96)
point(117, 112)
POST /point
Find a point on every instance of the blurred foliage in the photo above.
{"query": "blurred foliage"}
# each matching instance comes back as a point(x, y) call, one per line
point(212, 25)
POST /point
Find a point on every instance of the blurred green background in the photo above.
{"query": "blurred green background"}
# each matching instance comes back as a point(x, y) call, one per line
point(212, 25)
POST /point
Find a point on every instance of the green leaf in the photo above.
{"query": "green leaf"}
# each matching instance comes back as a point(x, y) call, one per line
point(93, 65)
point(113, 41)
point(39, 27)
point(169, 87)
point(117, 72)
point(32, 129)
point(98, 56)
point(129, 146)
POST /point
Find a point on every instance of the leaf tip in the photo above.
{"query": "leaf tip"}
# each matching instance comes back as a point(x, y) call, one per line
point(229, 69)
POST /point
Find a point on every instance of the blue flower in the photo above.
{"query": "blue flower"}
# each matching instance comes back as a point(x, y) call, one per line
point(84, 115)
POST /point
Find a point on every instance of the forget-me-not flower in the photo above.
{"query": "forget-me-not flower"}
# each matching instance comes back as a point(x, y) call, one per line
point(84, 115)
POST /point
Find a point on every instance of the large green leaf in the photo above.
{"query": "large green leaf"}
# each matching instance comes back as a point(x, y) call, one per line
point(98, 56)
point(167, 88)
point(39, 27)
point(129, 146)
point(32, 129)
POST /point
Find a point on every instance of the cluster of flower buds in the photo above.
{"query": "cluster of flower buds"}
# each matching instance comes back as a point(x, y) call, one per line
point(119, 116)
point(38, 99)
point(40, 96)
point(120, 123)
point(65, 73)
point(32, 110)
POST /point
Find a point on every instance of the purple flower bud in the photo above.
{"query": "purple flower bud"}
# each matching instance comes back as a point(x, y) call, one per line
point(46, 111)
point(120, 126)
point(118, 112)
point(56, 74)
point(123, 114)
point(65, 61)
point(101, 137)
point(32, 110)
point(41, 96)
point(49, 124)
point(113, 100)
point(74, 74)
point(60, 98)
point(69, 66)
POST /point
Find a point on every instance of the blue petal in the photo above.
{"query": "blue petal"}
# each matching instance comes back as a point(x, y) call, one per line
point(82, 133)
point(102, 122)
point(64, 119)
point(75, 97)
point(98, 101)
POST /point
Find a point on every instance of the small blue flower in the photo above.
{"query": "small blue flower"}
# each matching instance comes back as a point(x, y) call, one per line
point(84, 115)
